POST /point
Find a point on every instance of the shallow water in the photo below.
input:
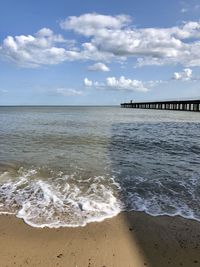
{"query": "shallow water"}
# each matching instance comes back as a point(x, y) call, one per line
point(67, 166)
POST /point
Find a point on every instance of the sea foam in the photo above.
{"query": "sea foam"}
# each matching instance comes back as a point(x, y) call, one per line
point(58, 201)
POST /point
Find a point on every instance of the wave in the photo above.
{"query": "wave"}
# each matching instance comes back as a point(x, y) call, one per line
point(60, 200)
point(46, 198)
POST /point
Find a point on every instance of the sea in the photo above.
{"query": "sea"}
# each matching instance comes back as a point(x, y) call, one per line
point(66, 166)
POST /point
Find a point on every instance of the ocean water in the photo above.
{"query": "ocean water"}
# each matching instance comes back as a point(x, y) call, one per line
point(68, 166)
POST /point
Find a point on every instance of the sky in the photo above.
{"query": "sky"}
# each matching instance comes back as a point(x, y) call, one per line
point(98, 52)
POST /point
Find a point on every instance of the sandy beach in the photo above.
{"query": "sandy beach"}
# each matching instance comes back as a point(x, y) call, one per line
point(130, 239)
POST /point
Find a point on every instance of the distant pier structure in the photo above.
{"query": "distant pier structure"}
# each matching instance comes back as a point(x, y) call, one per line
point(185, 105)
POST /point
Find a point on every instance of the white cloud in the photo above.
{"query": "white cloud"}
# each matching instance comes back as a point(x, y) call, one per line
point(153, 45)
point(87, 82)
point(120, 83)
point(99, 67)
point(108, 38)
point(68, 92)
point(185, 75)
point(89, 24)
point(44, 48)
point(112, 35)
point(125, 84)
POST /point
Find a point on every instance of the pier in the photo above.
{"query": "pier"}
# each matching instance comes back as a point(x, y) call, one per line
point(185, 105)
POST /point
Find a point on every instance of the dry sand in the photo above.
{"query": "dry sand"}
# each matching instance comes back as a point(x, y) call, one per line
point(130, 239)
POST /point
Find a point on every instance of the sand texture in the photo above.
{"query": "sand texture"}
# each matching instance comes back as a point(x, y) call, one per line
point(128, 240)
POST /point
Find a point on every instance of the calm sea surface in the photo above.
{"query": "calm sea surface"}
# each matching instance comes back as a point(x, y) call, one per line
point(67, 166)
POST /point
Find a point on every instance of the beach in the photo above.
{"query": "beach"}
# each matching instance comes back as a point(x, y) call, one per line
point(127, 240)
point(78, 183)
point(100, 133)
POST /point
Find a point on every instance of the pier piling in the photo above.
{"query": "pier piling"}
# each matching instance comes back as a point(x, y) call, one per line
point(182, 105)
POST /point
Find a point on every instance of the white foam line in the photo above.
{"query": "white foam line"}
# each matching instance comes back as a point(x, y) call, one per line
point(60, 224)
point(100, 219)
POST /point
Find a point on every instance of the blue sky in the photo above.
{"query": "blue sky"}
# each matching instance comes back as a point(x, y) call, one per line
point(98, 52)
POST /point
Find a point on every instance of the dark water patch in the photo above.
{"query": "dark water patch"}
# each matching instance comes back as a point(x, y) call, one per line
point(157, 167)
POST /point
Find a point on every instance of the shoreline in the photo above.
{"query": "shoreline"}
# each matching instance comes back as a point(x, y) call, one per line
point(131, 239)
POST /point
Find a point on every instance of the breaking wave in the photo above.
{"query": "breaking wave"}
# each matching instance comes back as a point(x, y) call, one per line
point(45, 198)
point(59, 200)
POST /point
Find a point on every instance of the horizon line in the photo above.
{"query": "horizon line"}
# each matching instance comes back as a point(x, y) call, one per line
point(45, 105)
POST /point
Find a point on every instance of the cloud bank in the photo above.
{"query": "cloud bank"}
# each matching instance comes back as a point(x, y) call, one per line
point(122, 84)
point(116, 36)
point(109, 38)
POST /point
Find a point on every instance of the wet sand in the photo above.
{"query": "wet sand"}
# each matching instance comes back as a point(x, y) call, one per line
point(128, 240)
